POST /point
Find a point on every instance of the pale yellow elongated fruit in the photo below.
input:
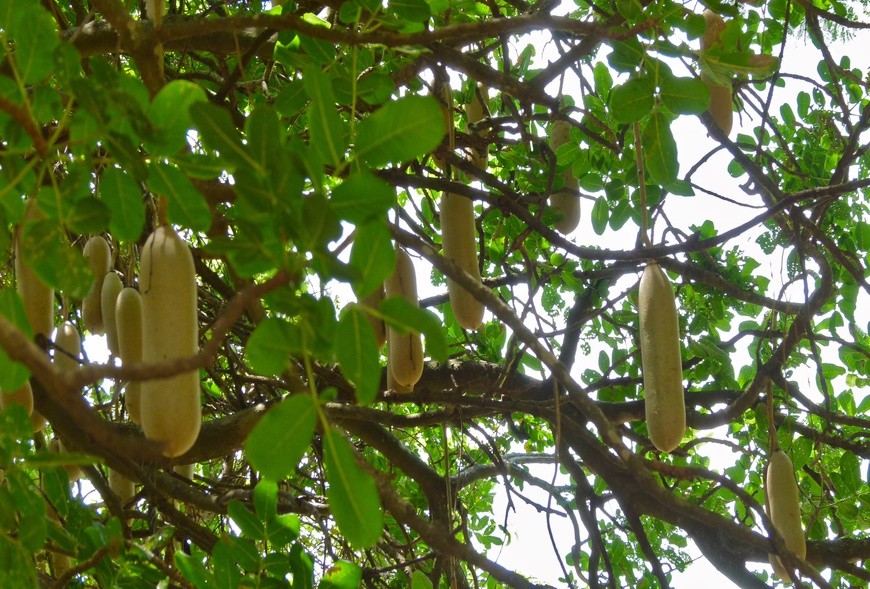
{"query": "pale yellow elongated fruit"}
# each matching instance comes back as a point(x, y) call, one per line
point(660, 359)
point(170, 409)
point(155, 9)
point(373, 300)
point(185, 470)
point(392, 385)
point(460, 245)
point(121, 486)
point(784, 508)
point(565, 200)
point(406, 350)
point(38, 298)
point(128, 318)
point(99, 257)
point(73, 471)
point(475, 111)
point(23, 396)
point(720, 96)
point(68, 339)
point(112, 286)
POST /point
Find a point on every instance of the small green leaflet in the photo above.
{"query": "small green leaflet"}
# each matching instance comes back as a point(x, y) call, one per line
point(420, 581)
point(269, 347)
point(352, 493)
point(277, 443)
point(402, 315)
point(660, 149)
point(632, 101)
point(400, 131)
point(356, 350)
point(187, 207)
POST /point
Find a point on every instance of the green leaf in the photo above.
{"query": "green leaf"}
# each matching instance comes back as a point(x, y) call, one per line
point(17, 570)
point(193, 570)
point(600, 215)
point(291, 99)
point(13, 374)
point(264, 137)
point(55, 262)
point(352, 493)
point(319, 224)
point(187, 207)
point(659, 149)
point(248, 523)
point(170, 116)
point(362, 197)
point(404, 316)
point(265, 500)
point(320, 51)
point(270, 346)
point(87, 215)
point(342, 575)
point(400, 131)
point(216, 128)
point(373, 255)
point(357, 353)
point(850, 471)
point(123, 196)
point(626, 56)
point(279, 440)
point(328, 133)
point(410, 10)
point(420, 581)
point(684, 95)
point(226, 570)
point(36, 37)
point(632, 101)
point(284, 529)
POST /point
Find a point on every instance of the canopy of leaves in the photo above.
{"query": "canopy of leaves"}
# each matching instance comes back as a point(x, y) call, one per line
point(295, 145)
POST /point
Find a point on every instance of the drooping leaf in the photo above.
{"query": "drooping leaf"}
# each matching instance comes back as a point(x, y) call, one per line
point(600, 215)
point(373, 255)
point(659, 149)
point(279, 440)
point(352, 493)
point(356, 350)
point(187, 207)
point(328, 131)
point(402, 315)
point(248, 523)
point(218, 132)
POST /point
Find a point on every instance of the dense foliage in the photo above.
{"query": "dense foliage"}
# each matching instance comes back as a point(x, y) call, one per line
point(295, 146)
